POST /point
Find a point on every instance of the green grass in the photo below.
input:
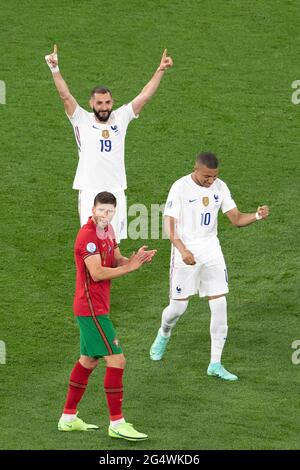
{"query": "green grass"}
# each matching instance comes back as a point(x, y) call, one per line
point(230, 92)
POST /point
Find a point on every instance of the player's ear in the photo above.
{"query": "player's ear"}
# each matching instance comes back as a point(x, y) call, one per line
point(91, 103)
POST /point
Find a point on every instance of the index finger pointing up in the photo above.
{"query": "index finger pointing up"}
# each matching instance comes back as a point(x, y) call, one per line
point(55, 49)
point(164, 54)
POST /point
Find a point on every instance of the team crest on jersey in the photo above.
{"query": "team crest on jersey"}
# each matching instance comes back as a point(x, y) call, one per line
point(115, 129)
point(216, 196)
point(105, 134)
point(205, 201)
point(91, 247)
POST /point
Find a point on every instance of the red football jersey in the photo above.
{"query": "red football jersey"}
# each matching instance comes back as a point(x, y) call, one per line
point(93, 297)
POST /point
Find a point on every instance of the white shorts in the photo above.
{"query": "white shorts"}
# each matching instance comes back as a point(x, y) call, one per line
point(208, 277)
point(119, 222)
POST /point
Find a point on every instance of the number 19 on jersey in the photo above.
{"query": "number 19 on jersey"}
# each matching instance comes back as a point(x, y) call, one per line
point(105, 145)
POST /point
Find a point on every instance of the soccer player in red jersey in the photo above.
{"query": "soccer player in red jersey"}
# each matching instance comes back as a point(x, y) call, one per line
point(98, 261)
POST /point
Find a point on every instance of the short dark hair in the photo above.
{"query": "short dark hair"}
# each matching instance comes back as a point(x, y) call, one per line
point(100, 89)
point(208, 159)
point(105, 198)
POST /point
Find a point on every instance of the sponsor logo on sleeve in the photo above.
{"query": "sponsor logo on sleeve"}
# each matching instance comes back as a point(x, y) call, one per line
point(91, 247)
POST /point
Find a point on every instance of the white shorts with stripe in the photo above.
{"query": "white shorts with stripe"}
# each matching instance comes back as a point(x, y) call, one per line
point(119, 222)
point(208, 277)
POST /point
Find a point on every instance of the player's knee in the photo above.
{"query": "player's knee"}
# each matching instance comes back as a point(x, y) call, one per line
point(122, 362)
point(178, 307)
point(117, 360)
point(214, 297)
point(89, 362)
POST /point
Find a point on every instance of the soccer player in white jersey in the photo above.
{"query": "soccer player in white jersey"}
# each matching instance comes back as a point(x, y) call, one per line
point(100, 137)
point(197, 262)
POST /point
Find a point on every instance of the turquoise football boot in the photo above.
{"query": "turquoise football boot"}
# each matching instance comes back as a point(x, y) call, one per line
point(158, 347)
point(217, 370)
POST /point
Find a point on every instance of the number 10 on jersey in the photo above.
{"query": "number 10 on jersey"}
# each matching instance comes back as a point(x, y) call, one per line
point(205, 219)
point(105, 145)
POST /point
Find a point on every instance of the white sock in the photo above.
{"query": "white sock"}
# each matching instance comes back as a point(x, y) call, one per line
point(218, 327)
point(171, 315)
point(67, 418)
point(116, 422)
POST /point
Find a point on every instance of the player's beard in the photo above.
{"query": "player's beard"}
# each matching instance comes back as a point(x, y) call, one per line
point(101, 118)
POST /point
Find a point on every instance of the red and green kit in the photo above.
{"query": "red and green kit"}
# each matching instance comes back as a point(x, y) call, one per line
point(92, 298)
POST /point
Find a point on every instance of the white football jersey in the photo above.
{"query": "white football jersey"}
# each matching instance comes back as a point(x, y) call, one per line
point(196, 209)
point(101, 149)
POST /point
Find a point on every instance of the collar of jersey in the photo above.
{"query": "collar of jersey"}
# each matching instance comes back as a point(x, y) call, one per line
point(105, 124)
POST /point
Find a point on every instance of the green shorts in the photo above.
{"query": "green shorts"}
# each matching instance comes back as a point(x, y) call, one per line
point(98, 337)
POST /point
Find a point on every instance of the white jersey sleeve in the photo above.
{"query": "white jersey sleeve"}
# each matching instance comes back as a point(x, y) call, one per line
point(172, 207)
point(227, 201)
point(77, 116)
point(125, 114)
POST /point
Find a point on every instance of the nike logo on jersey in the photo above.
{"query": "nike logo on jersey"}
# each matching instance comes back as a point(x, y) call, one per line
point(96, 128)
point(192, 200)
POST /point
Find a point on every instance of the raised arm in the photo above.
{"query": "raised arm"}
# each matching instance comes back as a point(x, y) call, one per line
point(149, 90)
point(239, 219)
point(68, 100)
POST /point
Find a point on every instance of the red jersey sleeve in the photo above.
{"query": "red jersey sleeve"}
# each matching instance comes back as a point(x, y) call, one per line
point(87, 245)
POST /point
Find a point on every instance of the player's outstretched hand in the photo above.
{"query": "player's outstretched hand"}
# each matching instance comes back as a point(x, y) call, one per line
point(145, 254)
point(263, 211)
point(166, 61)
point(52, 59)
point(188, 257)
point(138, 259)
